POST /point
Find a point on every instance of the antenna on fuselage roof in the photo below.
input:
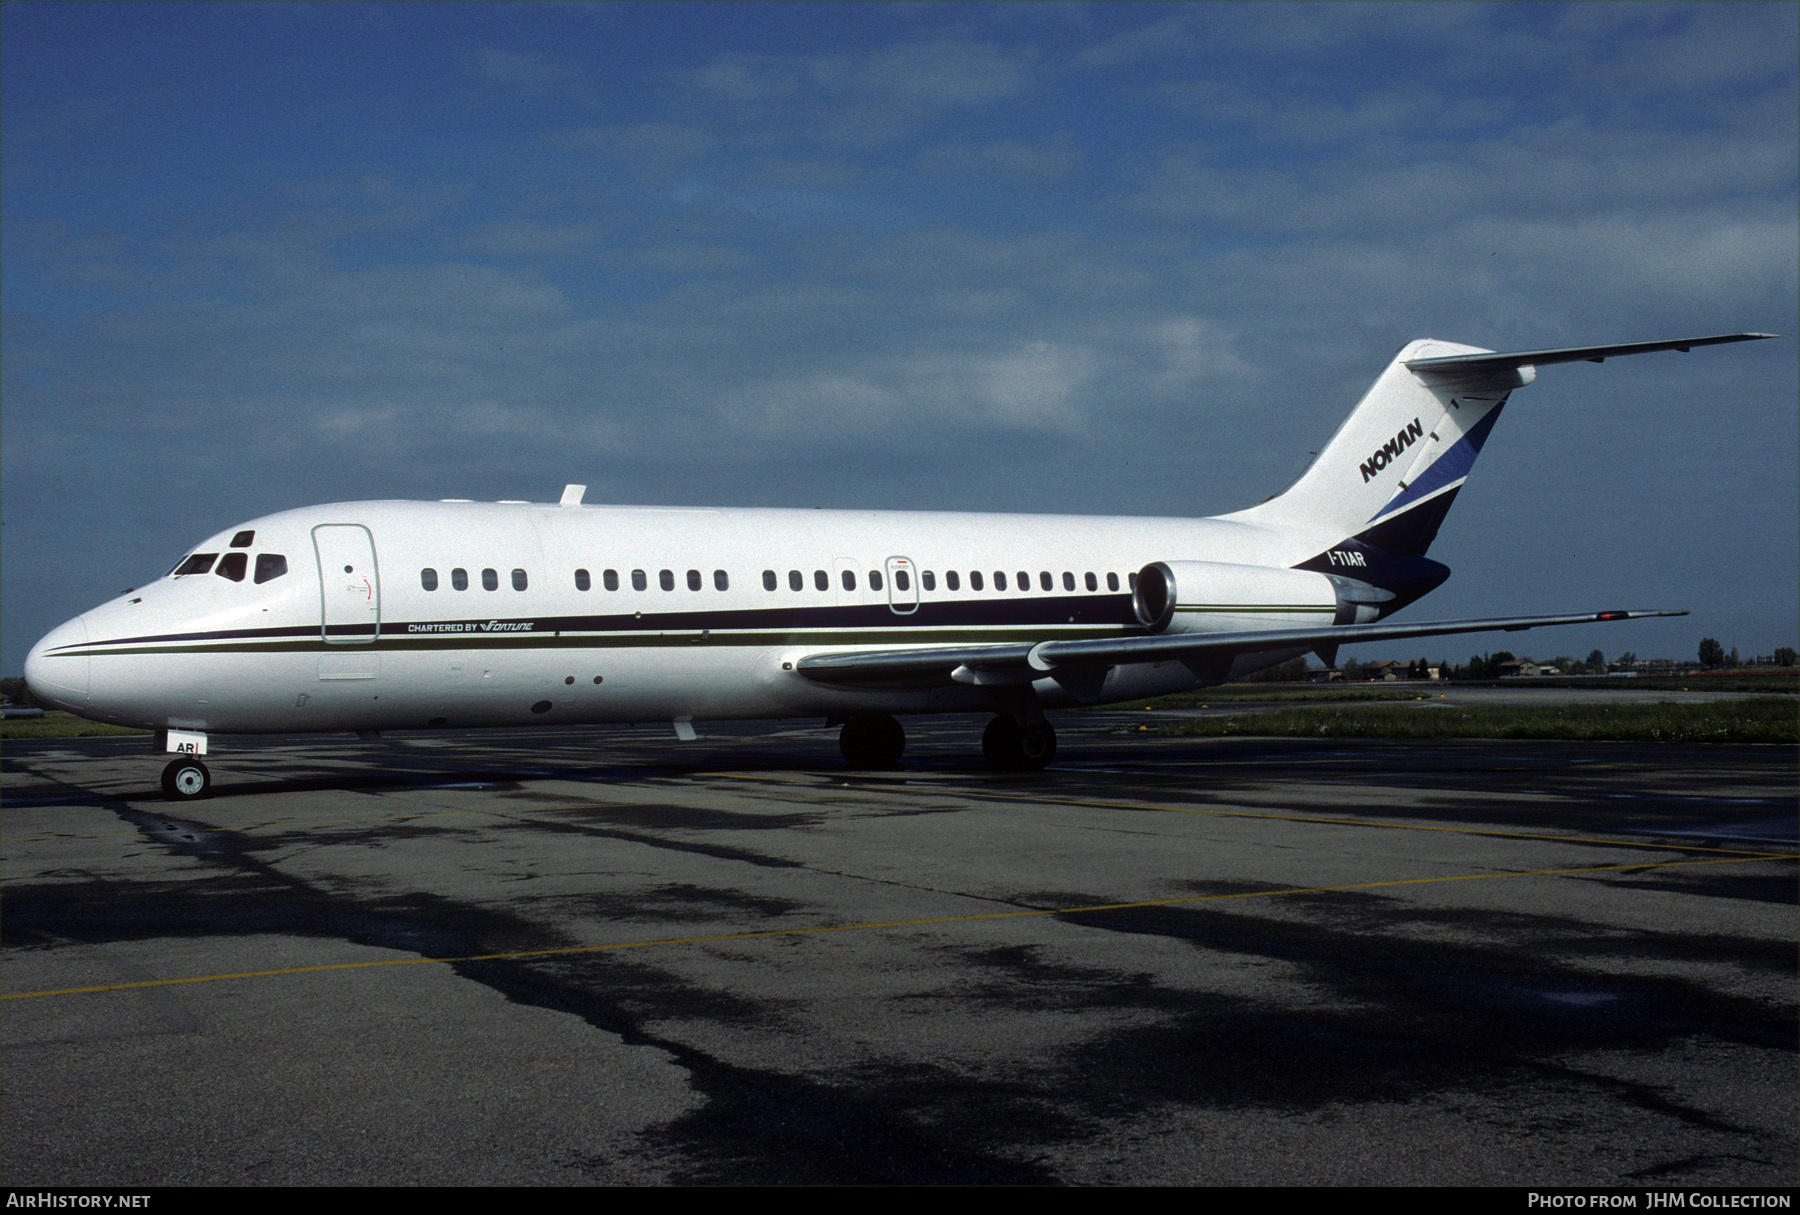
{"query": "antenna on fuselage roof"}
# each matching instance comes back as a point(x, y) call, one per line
point(572, 495)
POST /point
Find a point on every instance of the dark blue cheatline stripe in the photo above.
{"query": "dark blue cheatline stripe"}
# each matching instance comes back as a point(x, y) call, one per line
point(1040, 611)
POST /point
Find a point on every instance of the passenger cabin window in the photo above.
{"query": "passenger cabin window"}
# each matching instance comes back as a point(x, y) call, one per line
point(1068, 581)
point(427, 576)
point(928, 580)
point(610, 580)
point(666, 580)
point(490, 580)
point(999, 580)
point(519, 580)
point(582, 581)
point(795, 581)
point(199, 563)
point(459, 578)
point(1024, 581)
point(769, 580)
point(975, 580)
point(232, 566)
point(1046, 581)
point(951, 581)
point(720, 581)
point(270, 566)
point(1132, 578)
point(849, 580)
point(243, 539)
point(821, 580)
point(1093, 584)
point(902, 581)
point(1112, 582)
point(874, 580)
point(693, 580)
point(638, 581)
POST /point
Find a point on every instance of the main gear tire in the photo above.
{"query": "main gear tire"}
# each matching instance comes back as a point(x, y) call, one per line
point(872, 740)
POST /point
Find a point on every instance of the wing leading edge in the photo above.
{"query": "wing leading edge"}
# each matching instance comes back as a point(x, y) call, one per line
point(1022, 661)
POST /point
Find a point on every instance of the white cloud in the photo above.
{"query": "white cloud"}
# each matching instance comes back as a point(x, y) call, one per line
point(654, 143)
point(858, 100)
point(531, 74)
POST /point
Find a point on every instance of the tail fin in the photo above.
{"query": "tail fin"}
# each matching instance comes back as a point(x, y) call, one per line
point(1390, 473)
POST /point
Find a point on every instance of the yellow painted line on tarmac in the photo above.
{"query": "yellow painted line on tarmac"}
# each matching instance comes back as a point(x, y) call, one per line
point(1097, 908)
point(280, 823)
point(1747, 853)
point(203, 828)
point(931, 791)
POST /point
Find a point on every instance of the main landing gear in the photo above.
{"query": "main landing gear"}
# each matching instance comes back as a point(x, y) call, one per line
point(1005, 744)
point(872, 740)
point(875, 740)
point(186, 779)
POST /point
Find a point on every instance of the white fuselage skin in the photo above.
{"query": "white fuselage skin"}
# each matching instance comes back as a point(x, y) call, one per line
point(204, 652)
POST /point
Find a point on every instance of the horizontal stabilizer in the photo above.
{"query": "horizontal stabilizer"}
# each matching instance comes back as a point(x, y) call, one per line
point(934, 665)
point(1570, 354)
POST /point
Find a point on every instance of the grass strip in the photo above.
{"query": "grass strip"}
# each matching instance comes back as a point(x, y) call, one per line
point(1276, 693)
point(1779, 683)
point(1762, 719)
point(57, 724)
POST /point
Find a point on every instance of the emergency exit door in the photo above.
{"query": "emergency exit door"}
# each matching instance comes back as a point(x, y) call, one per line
point(349, 584)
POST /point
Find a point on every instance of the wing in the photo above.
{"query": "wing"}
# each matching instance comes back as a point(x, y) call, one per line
point(1023, 661)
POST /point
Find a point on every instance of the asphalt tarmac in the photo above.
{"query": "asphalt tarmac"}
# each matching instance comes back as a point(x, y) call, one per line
point(575, 956)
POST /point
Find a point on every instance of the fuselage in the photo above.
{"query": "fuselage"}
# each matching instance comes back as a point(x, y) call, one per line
point(373, 615)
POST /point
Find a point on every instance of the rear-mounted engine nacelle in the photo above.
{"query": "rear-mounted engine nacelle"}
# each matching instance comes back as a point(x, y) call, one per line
point(1216, 597)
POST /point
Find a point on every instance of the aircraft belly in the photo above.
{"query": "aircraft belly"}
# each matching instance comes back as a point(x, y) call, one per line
point(564, 684)
point(252, 693)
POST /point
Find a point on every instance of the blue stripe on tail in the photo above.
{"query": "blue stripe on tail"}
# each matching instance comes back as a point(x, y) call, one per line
point(1452, 466)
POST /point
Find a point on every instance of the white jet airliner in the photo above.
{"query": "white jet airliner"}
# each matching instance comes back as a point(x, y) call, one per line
point(416, 615)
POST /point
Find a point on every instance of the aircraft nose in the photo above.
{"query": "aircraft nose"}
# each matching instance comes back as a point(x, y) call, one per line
point(56, 676)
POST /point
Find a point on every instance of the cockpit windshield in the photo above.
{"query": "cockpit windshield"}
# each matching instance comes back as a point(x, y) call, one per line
point(234, 566)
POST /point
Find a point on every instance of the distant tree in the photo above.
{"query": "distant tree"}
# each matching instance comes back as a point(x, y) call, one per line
point(1351, 668)
point(1785, 656)
point(1291, 671)
point(1712, 654)
point(1731, 659)
point(1596, 663)
point(1628, 658)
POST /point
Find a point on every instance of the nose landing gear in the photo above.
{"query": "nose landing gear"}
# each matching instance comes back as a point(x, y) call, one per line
point(186, 780)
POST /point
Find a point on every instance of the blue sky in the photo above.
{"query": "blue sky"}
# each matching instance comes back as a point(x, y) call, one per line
point(1107, 258)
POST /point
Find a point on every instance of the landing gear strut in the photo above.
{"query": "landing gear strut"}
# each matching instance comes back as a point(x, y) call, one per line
point(186, 780)
point(872, 740)
point(1022, 748)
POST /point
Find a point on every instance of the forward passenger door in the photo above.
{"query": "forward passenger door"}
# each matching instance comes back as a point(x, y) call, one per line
point(349, 584)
